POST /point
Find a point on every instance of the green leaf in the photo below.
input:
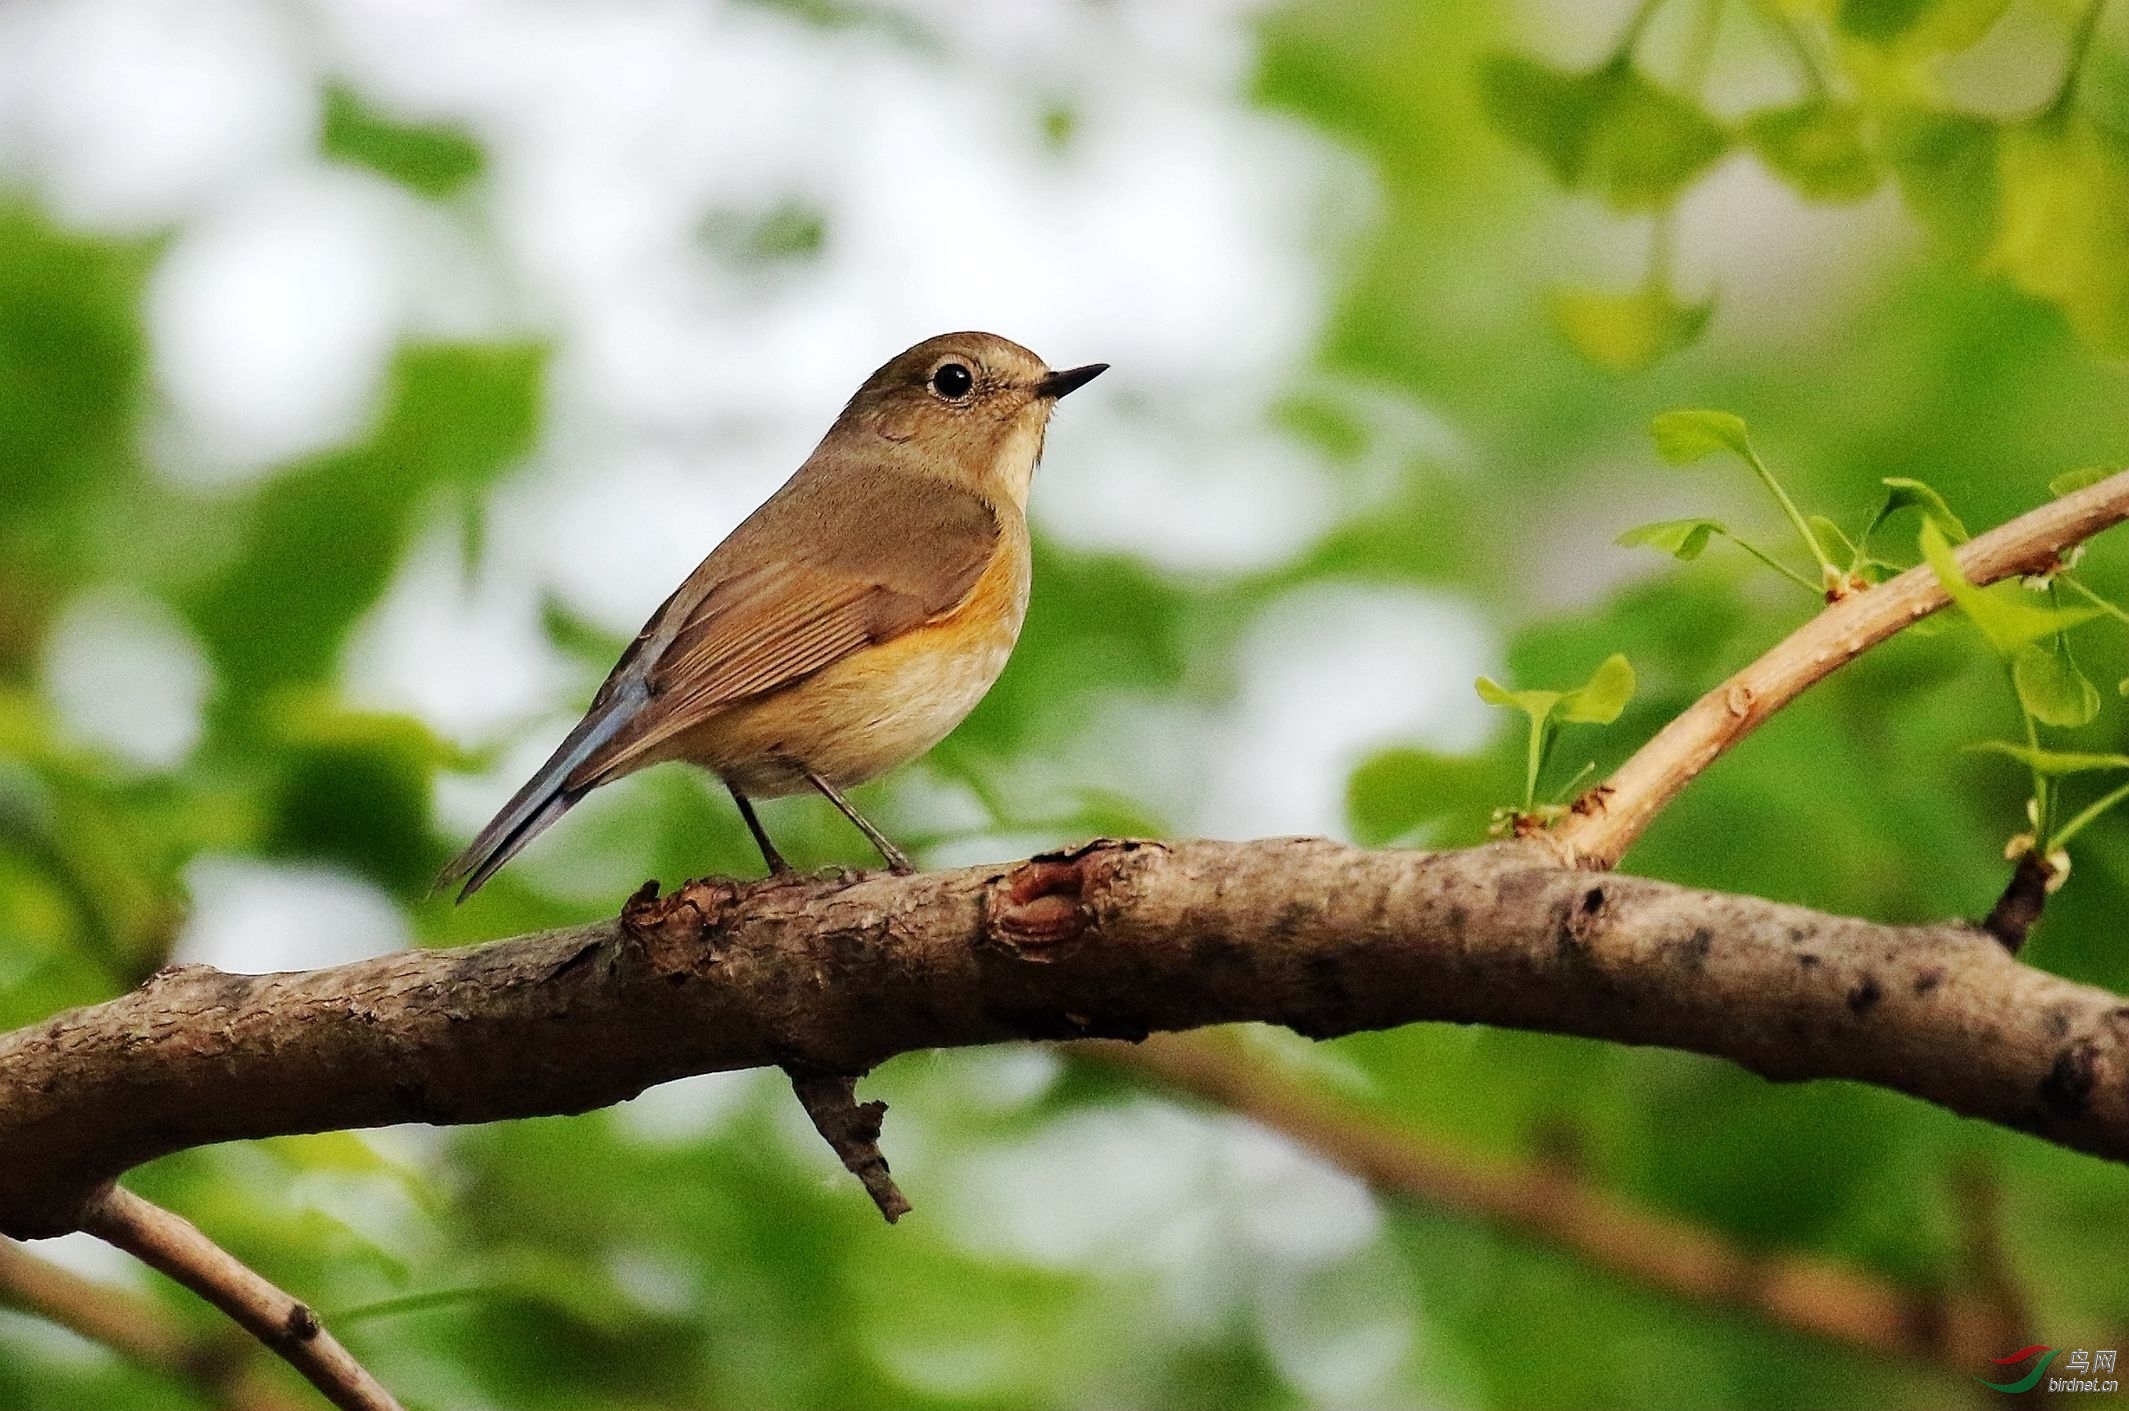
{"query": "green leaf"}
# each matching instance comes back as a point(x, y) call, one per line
point(792, 230)
point(1683, 437)
point(1947, 165)
point(73, 351)
point(464, 413)
point(1596, 701)
point(434, 159)
point(2071, 481)
point(1538, 705)
point(2052, 689)
point(2052, 764)
point(1609, 131)
point(2065, 231)
point(1550, 111)
point(1535, 704)
point(2001, 611)
point(307, 716)
point(1902, 493)
point(1817, 147)
point(1952, 25)
point(1650, 145)
point(352, 787)
point(1879, 20)
point(1684, 539)
point(1827, 532)
point(1921, 28)
point(1625, 333)
point(1599, 700)
point(2103, 85)
point(1689, 435)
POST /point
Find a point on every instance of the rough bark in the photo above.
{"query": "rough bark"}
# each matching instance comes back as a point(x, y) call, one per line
point(1116, 939)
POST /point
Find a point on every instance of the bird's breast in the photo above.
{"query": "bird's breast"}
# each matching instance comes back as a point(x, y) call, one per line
point(882, 705)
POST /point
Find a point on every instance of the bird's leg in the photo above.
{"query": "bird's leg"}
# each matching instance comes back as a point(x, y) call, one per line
point(897, 861)
point(777, 866)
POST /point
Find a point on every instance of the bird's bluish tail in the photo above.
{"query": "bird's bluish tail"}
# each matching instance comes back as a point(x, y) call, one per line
point(546, 796)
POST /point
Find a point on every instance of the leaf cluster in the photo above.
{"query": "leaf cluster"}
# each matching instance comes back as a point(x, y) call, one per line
point(2041, 200)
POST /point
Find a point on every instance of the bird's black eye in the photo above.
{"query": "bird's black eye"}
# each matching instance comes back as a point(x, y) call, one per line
point(952, 380)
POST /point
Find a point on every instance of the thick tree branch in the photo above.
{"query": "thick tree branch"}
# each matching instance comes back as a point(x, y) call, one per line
point(1804, 1293)
point(173, 1245)
point(1116, 939)
point(138, 1329)
point(1621, 809)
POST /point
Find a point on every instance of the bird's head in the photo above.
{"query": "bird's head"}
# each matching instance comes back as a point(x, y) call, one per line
point(969, 407)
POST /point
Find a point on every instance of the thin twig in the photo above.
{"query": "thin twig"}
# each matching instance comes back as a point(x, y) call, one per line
point(138, 1329)
point(2024, 897)
point(852, 1128)
point(174, 1246)
point(1820, 1297)
point(1623, 806)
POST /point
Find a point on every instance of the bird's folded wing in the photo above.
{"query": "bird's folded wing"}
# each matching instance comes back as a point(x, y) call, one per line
point(789, 614)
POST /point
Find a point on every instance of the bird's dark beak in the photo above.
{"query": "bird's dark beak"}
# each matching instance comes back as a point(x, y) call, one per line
point(1070, 380)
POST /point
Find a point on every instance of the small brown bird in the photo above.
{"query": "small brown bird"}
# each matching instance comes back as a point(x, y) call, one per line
point(849, 623)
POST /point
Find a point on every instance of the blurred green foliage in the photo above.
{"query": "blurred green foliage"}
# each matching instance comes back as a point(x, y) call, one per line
point(71, 358)
point(697, 1248)
point(435, 159)
point(2042, 199)
point(319, 543)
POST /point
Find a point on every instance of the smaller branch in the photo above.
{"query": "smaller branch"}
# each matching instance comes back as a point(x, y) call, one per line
point(137, 1329)
point(1548, 1203)
point(852, 1128)
point(2023, 899)
point(174, 1246)
point(1629, 801)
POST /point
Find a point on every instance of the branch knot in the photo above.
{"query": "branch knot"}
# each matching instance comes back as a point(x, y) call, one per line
point(680, 932)
point(1038, 911)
